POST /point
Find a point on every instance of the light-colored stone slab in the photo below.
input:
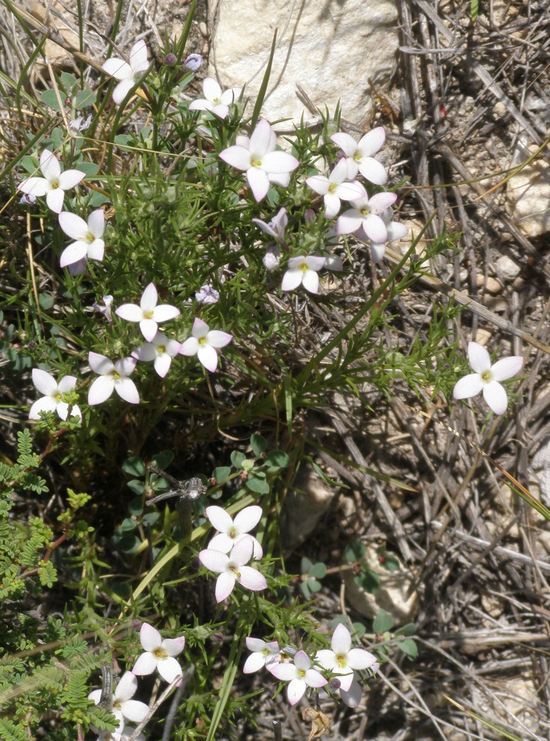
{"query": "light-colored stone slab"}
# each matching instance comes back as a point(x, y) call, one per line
point(331, 48)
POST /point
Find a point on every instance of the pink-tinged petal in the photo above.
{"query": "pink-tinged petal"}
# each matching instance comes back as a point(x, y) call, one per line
point(162, 364)
point(200, 328)
point(236, 156)
point(318, 183)
point(261, 139)
point(326, 658)
point(279, 178)
point(94, 696)
point(258, 181)
point(70, 178)
point(302, 660)
point(341, 640)
point(279, 162)
point(241, 553)
point(214, 560)
point(73, 226)
point(381, 202)
point(310, 281)
point(99, 363)
point(296, 262)
point(126, 688)
point(44, 381)
point(127, 390)
point(352, 696)
point(353, 168)
point(248, 518)
point(49, 165)
point(67, 383)
point(149, 298)
point(468, 386)
point(96, 250)
point(211, 88)
point(345, 679)
point(230, 96)
point(495, 396)
point(145, 352)
point(347, 143)
point(372, 141)
point(373, 171)
point(219, 518)
point(332, 205)
point(507, 367)
point(377, 252)
point(396, 230)
point(295, 690)
point(314, 678)
point(217, 338)
point(359, 659)
point(208, 357)
point(252, 579)
point(138, 56)
point(44, 404)
point(54, 199)
point(478, 357)
point(134, 710)
point(73, 253)
point(172, 347)
point(145, 664)
point(257, 551)
point(165, 312)
point(315, 262)
point(96, 223)
point(375, 228)
point(349, 221)
point(291, 280)
point(221, 542)
point(189, 347)
point(255, 644)
point(339, 172)
point(225, 583)
point(148, 328)
point(130, 312)
point(149, 637)
point(122, 90)
point(350, 191)
point(174, 646)
point(125, 366)
point(169, 669)
point(117, 68)
point(284, 671)
point(34, 186)
point(254, 663)
point(100, 390)
point(200, 104)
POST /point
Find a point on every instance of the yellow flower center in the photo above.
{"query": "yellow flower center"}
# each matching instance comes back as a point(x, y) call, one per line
point(301, 673)
point(58, 396)
point(116, 375)
point(256, 161)
point(234, 570)
point(486, 376)
point(332, 187)
point(89, 238)
point(233, 532)
point(341, 660)
point(202, 340)
point(148, 314)
point(365, 211)
point(161, 349)
point(357, 156)
point(160, 653)
point(54, 183)
point(304, 267)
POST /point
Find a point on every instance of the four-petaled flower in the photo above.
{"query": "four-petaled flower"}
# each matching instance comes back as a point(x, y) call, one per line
point(126, 73)
point(276, 227)
point(334, 189)
point(161, 350)
point(359, 155)
point(112, 377)
point(54, 395)
point(263, 654)
point(204, 343)
point(257, 156)
point(148, 314)
point(395, 230)
point(367, 215)
point(231, 531)
point(215, 101)
point(159, 654)
point(89, 243)
point(232, 568)
point(207, 294)
point(341, 659)
point(487, 377)
point(303, 270)
point(54, 183)
point(299, 674)
point(124, 708)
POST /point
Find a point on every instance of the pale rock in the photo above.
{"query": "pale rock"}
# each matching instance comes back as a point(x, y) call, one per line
point(331, 50)
point(506, 269)
point(528, 195)
point(392, 595)
point(539, 471)
point(482, 336)
point(513, 701)
point(304, 506)
point(53, 14)
point(489, 284)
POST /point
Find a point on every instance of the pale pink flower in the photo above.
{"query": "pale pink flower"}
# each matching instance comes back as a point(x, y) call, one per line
point(487, 377)
point(299, 674)
point(303, 271)
point(124, 708)
point(89, 242)
point(161, 350)
point(159, 654)
point(207, 294)
point(276, 227)
point(359, 155)
point(148, 313)
point(54, 395)
point(127, 74)
point(205, 343)
point(232, 568)
point(54, 183)
point(367, 215)
point(263, 654)
point(231, 531)
point(112, 377)
point(215, 101)
point(341, 659)
point(395, 231)
point(334, 189)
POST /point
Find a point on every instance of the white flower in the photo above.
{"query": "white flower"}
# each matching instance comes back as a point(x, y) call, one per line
point(161, 350)
point(204, 343)
point(89, 242)
point(303, 270)
point(104, 309)
point(359, 155)
point(395, 230)
point(54, 395)
point(159, 654)
point(207, 294)
point(232, 568)
point(127, 73)
point(148, 314)
point(276, 227)
point(299, 674)
point(124, 708)
point(272, 258)
point(341, 659)
point(80, 123)
point(367, 215)
point(263, 653)
point(231, 531)
point(487, 377)
point(215, 101)
point(112, 377)
point(257, 156)
point(334, 188)
point(54, 183)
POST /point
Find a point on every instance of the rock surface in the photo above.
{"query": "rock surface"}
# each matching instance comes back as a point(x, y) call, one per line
point(304, 506)
point(528, 194)
point(330, 49)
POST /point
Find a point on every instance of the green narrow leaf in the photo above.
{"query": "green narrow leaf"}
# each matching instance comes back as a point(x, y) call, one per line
point(263, 87)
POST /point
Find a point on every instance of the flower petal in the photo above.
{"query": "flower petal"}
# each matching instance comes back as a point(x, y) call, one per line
point(125, 366)
point(67, 383)
point(44, 404)
point(73, 253)
point(165, 312)
point(347, 143)
point(169, 669)
point(291, 280)
point(34, 186)
point(302, 660)
point(70, 178)
point(200, 104)
point(326, 658)
point(341, 640)
point(261, 139)
point(127, 390)
point(310, 281)
point(314, 678)
point(315, 262)
point(117, 68)
point(99, 363)
point(241, 553)
point(44, 382)
point(211, 89)
point(396, 230)
point(49, 165)
point(352, 696)
point(100, 390)
point(468, 386)
point(96, 222)
point(255, 644)
point(73, 226)
point(225, 583)
point(221, 542)
point(149, 298)
point(248, 518)
point(130, 312)
point(380, 202)
point(200, 328)
point(219, 518)
point(318, 183)
point(189, 347)
point(208, 357)
point(372, 141)
point(375, 228)
point(279, 162)
point(258, 181)
point(349, 221)
point(126, 688)
point(174, 646)
point(148, 328)
point(145, 664)
point(95, 696)
point(350, 191)
point(134, 710)
point(295, 690)
point(96, 250)
point(284, 671)
point(217, 338)
point(495, 396)
point(478, 357)
point(138, 56)
point(54, 199)
point(359, 659)
point(162, 364)
point(373, 171)
point(252, 579)
point(507, 367)
point(332, 205)
point(122, 90)
point(214, 560)
point(254, 663)
point(236, 156)
point(149, 637)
